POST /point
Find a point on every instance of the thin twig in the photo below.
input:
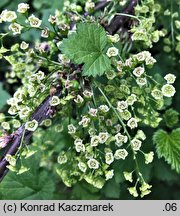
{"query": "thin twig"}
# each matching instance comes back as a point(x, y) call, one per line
point(118, 21)
point(43, 112)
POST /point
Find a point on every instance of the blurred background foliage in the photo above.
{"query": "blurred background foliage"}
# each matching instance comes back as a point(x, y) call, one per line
point(41, 181)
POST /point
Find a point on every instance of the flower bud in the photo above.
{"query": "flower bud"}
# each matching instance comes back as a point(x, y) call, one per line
point(23, 7)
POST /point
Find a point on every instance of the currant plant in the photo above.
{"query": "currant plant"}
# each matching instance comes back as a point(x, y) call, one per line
point(90, 81)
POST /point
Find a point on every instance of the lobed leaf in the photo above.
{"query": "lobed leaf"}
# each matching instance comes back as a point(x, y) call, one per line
point(168, 146)
point(87, 46)
point(33, 184)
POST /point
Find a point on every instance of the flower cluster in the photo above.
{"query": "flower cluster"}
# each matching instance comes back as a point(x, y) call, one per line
point(168, 89)
point(144, 29)
point(12, 16)
point(102, 117)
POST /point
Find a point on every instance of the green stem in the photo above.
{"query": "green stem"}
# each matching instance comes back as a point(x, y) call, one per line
point(128, 15)
point(21, 143)
point(125, 130)
point(115, 111)
point(150, 77)
point(45, 59)
point(172, 25)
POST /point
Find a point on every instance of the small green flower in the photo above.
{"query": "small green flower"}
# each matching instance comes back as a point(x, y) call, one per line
point(104, 108)
point(128, 176)
point(120, 139)
point(12, 168)
point(63, 58)
point(131, 99)
point(93, 112)
point(79, 99)
point(170, 78)
point(177, 24)
point(23, 169)
point(120, 154)
point(34, 21)
point(145, 186)
point(140, 135)
point(40, 75)
point(28, 153)
point(15, 28)
point(109, 174)
point(103, 136)
point(24, 45)
point(145, 189)
point(5, 125)
point(149, 157)
point(2, 117)
point(95, 140)
point(80, 147)
point(23, 7)
point(144, 193)
point(138, 71)
point(54, 101)
point(132, 123)
point(71, 129)
point(62, 158)
point(89, 6)
point(129, 62)
point(93, 164)
point(168, 90)
point(109, 157)
point(136, 144)
point(59, 128)
point(114, 38)
point(150, 61)
point(47, 122)
point(126, 115)
point(31, 125)
point(112, 51)
point(122, 105)
point(12, 110)
point(157, 94)
point(24, 112)
point(8, 16)
point(141, 81)
point(11, 159)
point(82, 166)
point(85, 121)
point(133, 191)
point(110, 75)
point(16, 123)
point(87, 93)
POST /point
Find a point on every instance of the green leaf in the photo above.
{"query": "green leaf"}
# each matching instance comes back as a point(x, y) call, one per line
point(120, 167)
point(111, 189)
point(162, 172)
point(3, 2)
point(171, 117)
point(51, 140)
point(29, 185)
point(168, 146)
point(47, 4)
point(3, 96)
point(87, 46)
point(84, 191)
point(3, 50)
